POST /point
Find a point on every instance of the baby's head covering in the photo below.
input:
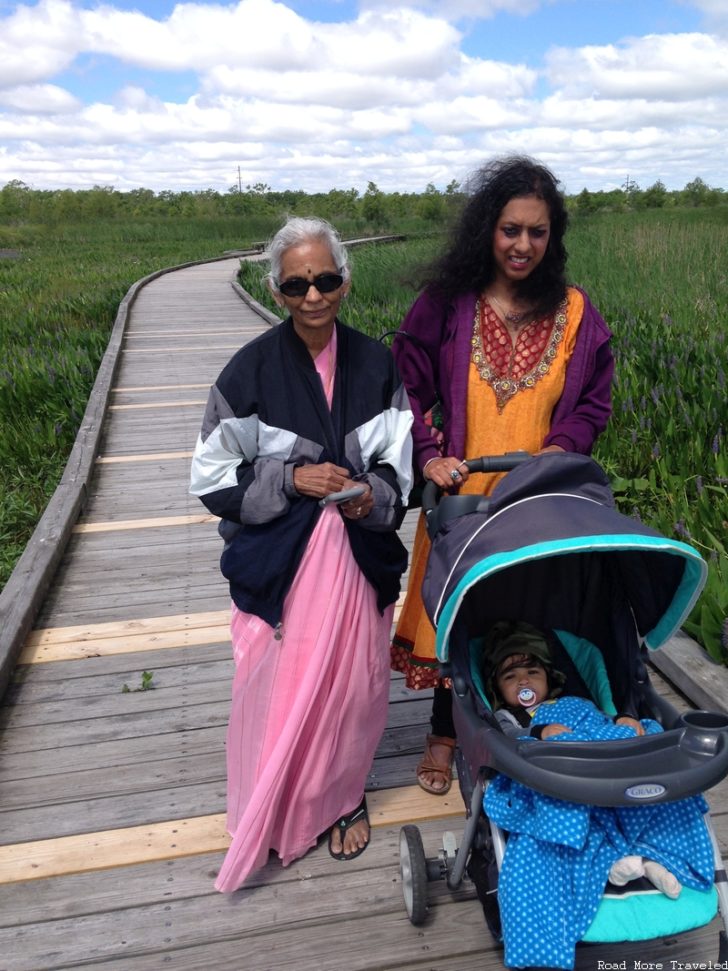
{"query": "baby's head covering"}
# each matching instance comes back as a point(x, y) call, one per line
point(507, 638)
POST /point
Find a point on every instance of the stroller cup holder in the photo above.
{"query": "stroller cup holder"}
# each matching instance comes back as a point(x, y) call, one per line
point(702, 731)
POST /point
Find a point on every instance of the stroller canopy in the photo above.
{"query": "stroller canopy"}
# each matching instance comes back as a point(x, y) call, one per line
point(553, 550)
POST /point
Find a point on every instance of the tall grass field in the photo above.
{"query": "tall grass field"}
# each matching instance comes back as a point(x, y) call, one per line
point(659, 278)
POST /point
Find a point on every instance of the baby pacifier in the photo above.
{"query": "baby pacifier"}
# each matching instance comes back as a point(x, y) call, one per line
point(526, 697)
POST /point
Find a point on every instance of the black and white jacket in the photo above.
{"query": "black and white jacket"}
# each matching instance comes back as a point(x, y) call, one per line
point(266, 414)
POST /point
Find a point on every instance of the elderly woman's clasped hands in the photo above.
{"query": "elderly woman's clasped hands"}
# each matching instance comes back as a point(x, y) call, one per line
point(321, 480)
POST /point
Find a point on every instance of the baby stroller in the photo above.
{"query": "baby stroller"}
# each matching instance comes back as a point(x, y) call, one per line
point(548, 547)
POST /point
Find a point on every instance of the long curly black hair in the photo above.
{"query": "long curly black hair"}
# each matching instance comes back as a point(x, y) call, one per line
point(468, 262)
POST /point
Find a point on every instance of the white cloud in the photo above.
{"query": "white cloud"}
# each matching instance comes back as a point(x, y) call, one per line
point(715, 12)
point(263, 34)
point(675, 66)
point(475, 114)
point(390, 96)
point(606, 114)
point(480, 9)
point(37, 42)
point(40, 98)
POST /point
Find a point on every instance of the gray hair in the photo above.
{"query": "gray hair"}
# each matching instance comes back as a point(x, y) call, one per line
point(298, 230)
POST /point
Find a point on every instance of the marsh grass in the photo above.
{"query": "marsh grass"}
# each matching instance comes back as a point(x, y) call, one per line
point(661, 281)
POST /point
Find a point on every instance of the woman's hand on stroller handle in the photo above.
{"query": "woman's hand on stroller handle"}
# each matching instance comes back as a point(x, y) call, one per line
point(435, 513)
point(447, 473)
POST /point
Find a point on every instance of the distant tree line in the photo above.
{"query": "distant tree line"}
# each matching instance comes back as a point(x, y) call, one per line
point(630, 197)
point(373, 208)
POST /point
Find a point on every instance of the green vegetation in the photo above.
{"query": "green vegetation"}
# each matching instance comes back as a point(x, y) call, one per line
point(146, 684)
point(654, 267)
point(661, 282)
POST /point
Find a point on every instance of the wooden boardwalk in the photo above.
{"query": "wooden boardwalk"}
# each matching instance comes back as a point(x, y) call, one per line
point(112, 797)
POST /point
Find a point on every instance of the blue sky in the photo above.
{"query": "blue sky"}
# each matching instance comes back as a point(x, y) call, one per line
point(328, 94)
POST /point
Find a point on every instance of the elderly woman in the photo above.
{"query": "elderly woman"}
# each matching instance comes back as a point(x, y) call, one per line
point(308, 409)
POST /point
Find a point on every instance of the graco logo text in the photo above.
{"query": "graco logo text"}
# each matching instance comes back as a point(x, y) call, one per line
point(647, 790)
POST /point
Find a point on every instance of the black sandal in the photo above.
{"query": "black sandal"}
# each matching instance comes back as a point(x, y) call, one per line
point(345, 823)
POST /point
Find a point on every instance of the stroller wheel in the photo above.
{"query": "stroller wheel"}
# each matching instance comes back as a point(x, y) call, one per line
point(413, 868)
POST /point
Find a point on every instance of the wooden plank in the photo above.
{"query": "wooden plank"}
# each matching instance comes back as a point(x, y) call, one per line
point(103, 670)
point(137, 723)
point(158, 387)
point(124, 705)
point(174, 797)
point(186, 837)
point(188, 332)
point(328, 914)
point(310, 927)
point(124, 637)
point(125, 644)
point(164, 764)
point(696, 674)
point(65, 643)
point(158, 404)
point(163, 521)
point(39, 764)
point(148, 627)
point(74, 681)
point(191, 349)
point(147, 457)
point(151, 604)
point(76, 895)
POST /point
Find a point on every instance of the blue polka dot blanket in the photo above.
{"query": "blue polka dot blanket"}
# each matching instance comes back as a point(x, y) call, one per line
point(558, 854)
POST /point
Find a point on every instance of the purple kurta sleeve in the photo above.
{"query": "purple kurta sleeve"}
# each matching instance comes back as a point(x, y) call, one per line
point(432, 351)
point(583, 410)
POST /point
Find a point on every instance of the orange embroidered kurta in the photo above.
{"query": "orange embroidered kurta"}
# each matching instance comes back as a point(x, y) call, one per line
point(513, 388)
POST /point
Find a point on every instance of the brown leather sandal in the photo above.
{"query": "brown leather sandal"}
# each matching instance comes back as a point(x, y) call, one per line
point(428, 764)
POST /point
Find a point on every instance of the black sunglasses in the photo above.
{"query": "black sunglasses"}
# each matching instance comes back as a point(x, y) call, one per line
point(298, 287)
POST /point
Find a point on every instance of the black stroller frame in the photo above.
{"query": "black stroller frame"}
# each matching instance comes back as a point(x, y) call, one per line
point(551, 524)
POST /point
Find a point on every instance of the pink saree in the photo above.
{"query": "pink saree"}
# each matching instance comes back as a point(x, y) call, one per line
point(308, 710)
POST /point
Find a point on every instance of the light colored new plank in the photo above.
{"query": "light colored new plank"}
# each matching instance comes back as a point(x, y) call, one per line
point(126, 637)
point(157, 404)
point(187, 837)
point(185, 333)
point(125, 645)
point(181, 350)
point(111, 525)
point(143, 457)
point(123, 637)
point(159, 387)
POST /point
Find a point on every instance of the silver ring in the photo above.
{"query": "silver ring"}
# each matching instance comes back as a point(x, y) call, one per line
point(358, 511)
point(454, 475)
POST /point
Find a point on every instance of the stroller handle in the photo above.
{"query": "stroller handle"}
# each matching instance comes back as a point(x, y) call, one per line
point(438, 509)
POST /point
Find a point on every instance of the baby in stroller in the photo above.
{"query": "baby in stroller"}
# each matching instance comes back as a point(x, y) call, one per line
point(559, 855)
point(521, 675)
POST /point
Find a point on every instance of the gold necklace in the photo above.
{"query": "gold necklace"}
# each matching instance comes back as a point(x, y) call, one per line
point(509, 315)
